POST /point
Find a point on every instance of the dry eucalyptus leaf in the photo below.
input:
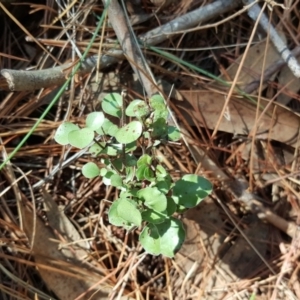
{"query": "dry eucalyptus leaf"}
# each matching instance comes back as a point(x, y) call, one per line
point(278, 123)
point(204, 227)
point(60, 223)
point(64, 273)
point(292, 85)
point(67, 278)
point(203, 242)
point(257, 60)
point(207, 264)
point(240, 262)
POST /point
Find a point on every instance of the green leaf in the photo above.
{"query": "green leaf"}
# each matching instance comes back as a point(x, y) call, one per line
point(115, 219)
point(161, 171)
point(149, 174)
point(116, 180)
point(129, 193)
point(112, 130)
point(94, 120)
point(144, 160)
point(137, 108)
point(62, 132)
point(95, 149)
point(118, 164)
point(108, 149)
point(90, 170)
point(190, 190)
point(163, 238)
point(144, 170)
point(128, 147)
point(106, 162)
point(106, 178)
point(150, 239)
point(172, 235)
point(153, 198)
point(153, 216)
point(146, 134)
point(159, 128)
point(127, 209)
point(130, 109)
point(163, 185)
point(107, 128)
point(103, 171)
point(130, 160)
point(112, 104)
point(123, 212)
point(140, 172)
point(156, 217)
point(160, 116)
point(173, 133)
point(129, 133)
point(181, 209)
point(157, 103)
point(81, 138)
point(171, 206)
point(130, 173)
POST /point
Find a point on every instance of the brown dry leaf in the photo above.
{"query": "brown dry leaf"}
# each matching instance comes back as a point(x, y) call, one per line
point(240, 262)
point(291, 84)
point(279, 123)
point(256, 61)
point(60, 223)
point(204, 238)
point(205, 258)
point(63, 271)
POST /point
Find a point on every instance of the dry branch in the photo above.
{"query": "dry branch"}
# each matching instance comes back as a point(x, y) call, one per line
point(16, 80)
point(189, 20)
point(131, 49)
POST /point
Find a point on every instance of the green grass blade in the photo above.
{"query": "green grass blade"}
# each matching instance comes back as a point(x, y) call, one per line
point(25, 138)
point(174, 58)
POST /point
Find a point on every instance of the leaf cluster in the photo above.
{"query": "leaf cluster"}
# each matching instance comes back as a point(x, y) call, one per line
point(148, 196)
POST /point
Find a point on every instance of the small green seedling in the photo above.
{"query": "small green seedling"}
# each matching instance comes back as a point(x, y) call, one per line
point(124, 157)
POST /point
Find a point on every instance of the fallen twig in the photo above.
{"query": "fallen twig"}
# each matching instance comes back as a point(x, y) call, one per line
point(131, 49)
point(20, 80)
